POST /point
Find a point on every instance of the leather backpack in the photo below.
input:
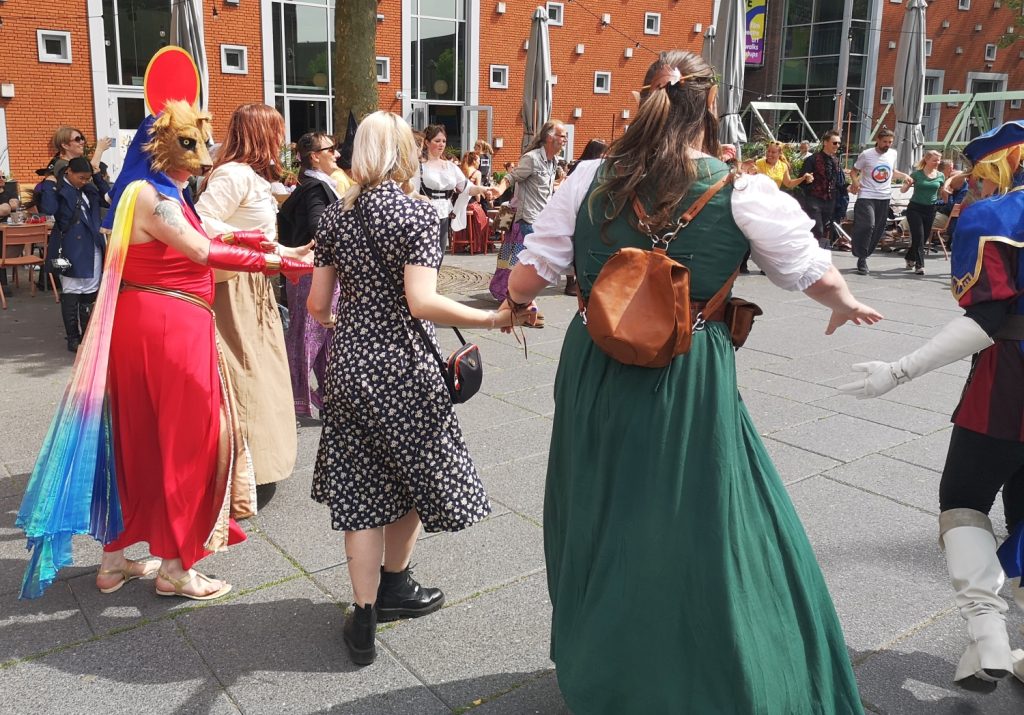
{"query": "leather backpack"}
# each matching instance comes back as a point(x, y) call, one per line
point(639, 311)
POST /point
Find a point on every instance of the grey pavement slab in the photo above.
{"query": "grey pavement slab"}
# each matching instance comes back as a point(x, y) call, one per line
point(487, 414)
point(786, 386)
point(881, 560)
point(526, 377)
point(928, 451)
point(519, 484)
point(146, 670)
point(515, 440)
point(33, 626)
point(480, 647)
point(279, 650)
point(539, 696)
point(892, 479)
point(887, 412)
point(915, 675)
point(803, 336)
point(842, 437)
point(795, 464)
point(772, 413)
point(538, 400)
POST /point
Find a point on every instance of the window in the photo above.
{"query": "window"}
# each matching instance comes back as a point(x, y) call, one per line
point(927, 48)
point(602, 83)
point(1014, 104)
point(963, 5)
point(652, 23)
point(990, 53)
point(499, 76)
point(556, 13)
point(886, 95)
point(54, 46)
point(234, 59)
point(383, 69)
point(953, 104)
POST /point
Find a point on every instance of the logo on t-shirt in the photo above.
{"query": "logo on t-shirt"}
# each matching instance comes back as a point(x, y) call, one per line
point(881, 173)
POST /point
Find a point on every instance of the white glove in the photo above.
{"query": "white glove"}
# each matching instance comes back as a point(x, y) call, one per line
point(957, 339)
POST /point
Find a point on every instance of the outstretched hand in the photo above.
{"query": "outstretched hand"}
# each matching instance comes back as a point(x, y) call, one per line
point(880, 378)
point(860, 313)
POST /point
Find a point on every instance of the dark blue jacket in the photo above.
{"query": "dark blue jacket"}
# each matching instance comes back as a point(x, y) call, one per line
point(76, 226)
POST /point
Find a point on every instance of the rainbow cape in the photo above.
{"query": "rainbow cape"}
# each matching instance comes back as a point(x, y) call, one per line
point(73, 487)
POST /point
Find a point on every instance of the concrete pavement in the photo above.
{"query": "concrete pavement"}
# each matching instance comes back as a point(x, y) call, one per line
point(863, 475)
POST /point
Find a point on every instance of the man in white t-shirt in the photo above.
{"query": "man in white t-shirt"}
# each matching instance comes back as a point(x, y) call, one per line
point(872, 176)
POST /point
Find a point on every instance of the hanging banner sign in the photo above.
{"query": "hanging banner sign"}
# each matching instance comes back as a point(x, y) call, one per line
point(756, 19)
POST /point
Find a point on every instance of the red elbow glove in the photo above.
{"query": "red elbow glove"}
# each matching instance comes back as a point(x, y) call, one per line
point(246, 260)
point(249, 239)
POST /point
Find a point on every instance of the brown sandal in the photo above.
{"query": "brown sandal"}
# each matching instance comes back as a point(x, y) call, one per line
point(180, 584)
point(149, 566)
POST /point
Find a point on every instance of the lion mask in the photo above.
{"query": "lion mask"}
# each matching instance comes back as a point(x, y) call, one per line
point(178, 139)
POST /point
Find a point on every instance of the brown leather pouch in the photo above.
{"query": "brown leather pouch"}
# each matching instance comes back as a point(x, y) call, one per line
point(739, 317)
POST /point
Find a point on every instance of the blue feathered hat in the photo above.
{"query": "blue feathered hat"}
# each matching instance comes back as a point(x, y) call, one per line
point(1002, 137)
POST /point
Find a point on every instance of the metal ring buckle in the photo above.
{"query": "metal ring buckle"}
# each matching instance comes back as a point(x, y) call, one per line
point(583, 316)
point(699, 323)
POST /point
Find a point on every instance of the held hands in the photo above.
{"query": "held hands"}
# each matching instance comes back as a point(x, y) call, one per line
point(856, 315)
point(509, 316)
point(303, 254)
point(808, 178)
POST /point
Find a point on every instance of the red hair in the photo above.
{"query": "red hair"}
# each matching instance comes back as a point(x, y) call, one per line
point(253, 137)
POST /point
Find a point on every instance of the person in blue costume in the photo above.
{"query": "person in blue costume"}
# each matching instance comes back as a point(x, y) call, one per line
point(986, 446)
point(680, 577)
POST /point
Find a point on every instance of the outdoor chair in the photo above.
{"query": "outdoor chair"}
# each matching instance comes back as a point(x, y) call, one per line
point(16, 252)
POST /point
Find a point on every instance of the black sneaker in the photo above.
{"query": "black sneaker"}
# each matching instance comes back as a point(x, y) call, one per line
point(862, 266)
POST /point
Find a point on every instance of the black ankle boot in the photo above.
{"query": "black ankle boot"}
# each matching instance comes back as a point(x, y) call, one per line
point(360, 634)
point(69, 313)
point(400, 596)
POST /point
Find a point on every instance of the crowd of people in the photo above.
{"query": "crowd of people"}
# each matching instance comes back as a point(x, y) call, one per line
point(730, 614)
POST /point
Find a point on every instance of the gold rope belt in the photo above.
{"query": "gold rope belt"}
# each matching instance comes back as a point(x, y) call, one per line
point(179, 294)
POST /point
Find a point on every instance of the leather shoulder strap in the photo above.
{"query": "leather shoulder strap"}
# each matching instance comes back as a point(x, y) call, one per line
point(718, 298)
point(695, 207)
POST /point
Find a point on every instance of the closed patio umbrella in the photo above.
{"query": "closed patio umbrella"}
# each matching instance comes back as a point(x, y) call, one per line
point(537, 95)
point(729, 57)
point(708, 47)
point(187, 34)
point(908, 87)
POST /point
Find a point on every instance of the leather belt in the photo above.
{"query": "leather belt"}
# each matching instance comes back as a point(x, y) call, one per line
point(697, 308)
point(179, 294)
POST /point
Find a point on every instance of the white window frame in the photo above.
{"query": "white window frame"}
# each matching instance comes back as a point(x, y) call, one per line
point(501, 83)
point(648, 16)
point(927, 48)
point(65, 37)
point(1014, 104)
point(953, 104)
point(382, 67)
point(885, 96)
point(963, 5)
point(990, 52)
point(559, 13)
point(607, 76)
point(226, 68)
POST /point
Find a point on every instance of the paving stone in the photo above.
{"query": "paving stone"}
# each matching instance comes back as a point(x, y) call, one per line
point(536, 697)
point(280, 650)
point(13, 485)
point(892, 478)
point(146, 670)
point(538, 400)
point(881, 560)
point(782, 386)
point(829, 368)
point(486, 414)
point(519, 484)
point(516, 440)
point(41, 624)
point(496, 551)
point(915, 675)
point(842, 437)
point(249, 565)
point(771, 413)
point(805, 337)
point(481, 647)
point(887, 412)
point(928, 451)
point(793, 463)
point(934, 391)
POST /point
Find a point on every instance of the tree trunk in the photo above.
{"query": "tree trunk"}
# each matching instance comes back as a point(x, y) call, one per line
point(355, 60)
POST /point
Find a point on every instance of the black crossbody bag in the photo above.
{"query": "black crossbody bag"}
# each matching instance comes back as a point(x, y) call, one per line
point(463, 371)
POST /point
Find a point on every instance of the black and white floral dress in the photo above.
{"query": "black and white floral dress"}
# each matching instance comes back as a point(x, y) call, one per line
point(391, 440)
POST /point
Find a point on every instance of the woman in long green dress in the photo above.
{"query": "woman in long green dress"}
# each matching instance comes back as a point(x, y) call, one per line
point(681, 578)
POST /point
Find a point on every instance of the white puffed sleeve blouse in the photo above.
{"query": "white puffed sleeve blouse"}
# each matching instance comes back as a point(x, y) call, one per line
point(781, 242)
point(236, 198)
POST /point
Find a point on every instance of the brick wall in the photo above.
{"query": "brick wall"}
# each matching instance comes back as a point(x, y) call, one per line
point(46, 94)
point(389, 44)
point(501, 43)
point(234, 25)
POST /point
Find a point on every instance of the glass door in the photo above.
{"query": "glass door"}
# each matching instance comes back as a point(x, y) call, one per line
point(306, 114)
point(127, 110)
point(477, 123)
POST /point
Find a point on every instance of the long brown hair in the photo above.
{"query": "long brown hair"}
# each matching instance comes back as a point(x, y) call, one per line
point(653, 159)
point(253, 138)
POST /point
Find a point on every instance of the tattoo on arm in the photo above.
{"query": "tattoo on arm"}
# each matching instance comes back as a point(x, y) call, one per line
point(170, 214)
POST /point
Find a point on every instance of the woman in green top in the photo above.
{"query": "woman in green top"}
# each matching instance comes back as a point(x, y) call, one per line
point(921, 210)
point(680, 578)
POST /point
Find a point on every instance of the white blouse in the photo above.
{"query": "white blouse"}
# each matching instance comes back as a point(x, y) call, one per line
point(446, 177)
point(236, 198)
point(781, 242)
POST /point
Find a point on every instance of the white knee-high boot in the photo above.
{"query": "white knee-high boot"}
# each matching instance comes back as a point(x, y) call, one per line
point(977, 576)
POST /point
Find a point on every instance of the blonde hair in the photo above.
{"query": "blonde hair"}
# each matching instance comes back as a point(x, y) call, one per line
point(998, 167)
point(482, 147)
point(924, 158)
point(63, 136)
point(383, 150)
point(781, 148)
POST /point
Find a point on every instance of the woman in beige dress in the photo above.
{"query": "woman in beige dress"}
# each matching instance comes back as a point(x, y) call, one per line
point(236, 196)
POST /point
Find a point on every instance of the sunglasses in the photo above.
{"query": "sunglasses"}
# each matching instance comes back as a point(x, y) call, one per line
point(835, 143)
point(332, 147)
point(80, 139)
